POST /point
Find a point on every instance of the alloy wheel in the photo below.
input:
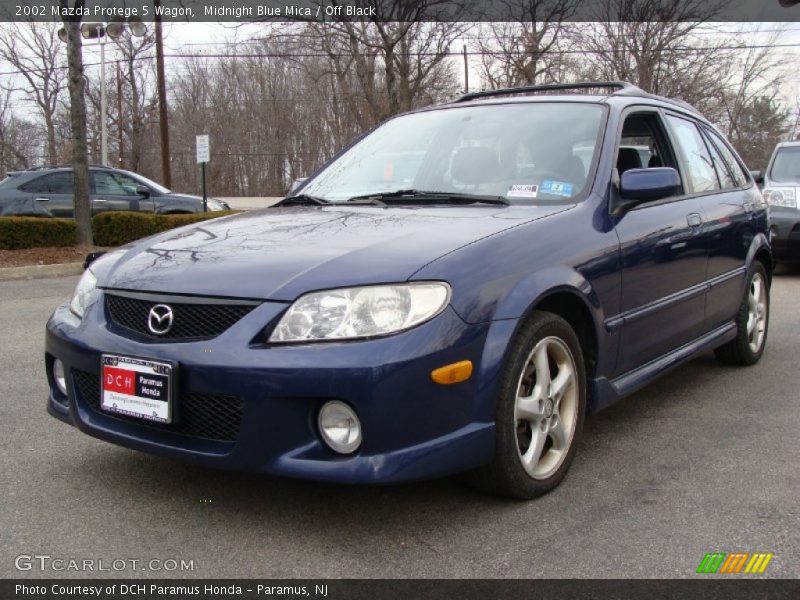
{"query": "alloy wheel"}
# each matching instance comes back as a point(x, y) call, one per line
point(546, 407)
point(756, 313)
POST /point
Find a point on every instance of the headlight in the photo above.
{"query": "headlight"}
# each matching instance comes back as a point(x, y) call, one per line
point(780, 197)
point(82, 294)
point(215, 205)
point(361, 312)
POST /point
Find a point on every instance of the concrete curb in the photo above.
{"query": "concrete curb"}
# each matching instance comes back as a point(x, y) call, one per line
point(40, 271)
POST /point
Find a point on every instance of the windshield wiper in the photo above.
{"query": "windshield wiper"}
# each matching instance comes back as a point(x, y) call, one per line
point(303, 199)
point(414, 196)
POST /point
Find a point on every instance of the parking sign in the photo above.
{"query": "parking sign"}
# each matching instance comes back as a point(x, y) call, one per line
point(203, 149)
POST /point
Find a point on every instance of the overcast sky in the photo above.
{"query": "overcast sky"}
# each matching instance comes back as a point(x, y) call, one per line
point(199, 38)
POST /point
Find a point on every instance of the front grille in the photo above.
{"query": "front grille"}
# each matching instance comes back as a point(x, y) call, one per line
point(191, 321)
point(204, 416)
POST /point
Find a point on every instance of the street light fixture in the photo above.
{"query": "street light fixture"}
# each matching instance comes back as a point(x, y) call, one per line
point(101, 32)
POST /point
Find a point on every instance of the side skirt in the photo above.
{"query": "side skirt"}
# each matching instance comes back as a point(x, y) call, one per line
point(606, 392)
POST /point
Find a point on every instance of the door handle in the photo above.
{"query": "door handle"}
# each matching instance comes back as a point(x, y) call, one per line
point(694, 220)
point(41, 199)
point(100, 200)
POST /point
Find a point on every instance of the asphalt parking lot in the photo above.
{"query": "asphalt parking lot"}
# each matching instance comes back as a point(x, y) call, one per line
point(704, 460)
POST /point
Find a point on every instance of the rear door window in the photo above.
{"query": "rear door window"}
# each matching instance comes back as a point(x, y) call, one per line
point(53, 183)
point(699, 167)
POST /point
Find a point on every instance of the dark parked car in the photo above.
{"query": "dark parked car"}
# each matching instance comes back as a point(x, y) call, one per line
point(47, 192)
point(781, 186)
point(464, 316)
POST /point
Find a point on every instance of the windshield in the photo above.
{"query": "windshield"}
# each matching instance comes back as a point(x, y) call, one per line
point(525, 153)
point(786, 166)
point(149, 182)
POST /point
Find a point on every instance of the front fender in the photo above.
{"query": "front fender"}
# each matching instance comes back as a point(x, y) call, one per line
point(530, 290)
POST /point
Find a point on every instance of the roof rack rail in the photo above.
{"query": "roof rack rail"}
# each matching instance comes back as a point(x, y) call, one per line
point(620, 88)
point(584, 85)
point(65, 166)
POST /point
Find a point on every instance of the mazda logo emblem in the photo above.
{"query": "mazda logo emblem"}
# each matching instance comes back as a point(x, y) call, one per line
point(160, 319)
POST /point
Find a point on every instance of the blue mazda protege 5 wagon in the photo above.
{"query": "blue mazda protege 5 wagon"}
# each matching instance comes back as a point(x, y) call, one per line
point(452, 293)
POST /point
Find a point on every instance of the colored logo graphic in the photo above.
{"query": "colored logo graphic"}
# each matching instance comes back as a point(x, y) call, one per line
point(735, 562)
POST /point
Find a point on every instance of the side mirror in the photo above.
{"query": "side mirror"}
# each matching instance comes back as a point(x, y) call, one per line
point(758, 177)
point(143, 191)
point(644, 185)
point(296, 184)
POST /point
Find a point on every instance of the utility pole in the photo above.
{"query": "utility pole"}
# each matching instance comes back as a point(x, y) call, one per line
point(119, 116)
point(162, 101)
point(466, 71)
point(102, 39)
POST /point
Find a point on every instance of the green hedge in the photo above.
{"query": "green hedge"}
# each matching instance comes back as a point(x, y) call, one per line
point(35, 232)
point(119, 228)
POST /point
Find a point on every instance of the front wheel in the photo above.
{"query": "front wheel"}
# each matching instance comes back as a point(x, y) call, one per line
point(752, 322)
point(540, 410)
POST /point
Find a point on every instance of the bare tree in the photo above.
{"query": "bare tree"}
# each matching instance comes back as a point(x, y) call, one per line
point(34, 50)
point(17, 138)
point(754, 82)
point(525, 48)
point(652, 47)
point(398, 57)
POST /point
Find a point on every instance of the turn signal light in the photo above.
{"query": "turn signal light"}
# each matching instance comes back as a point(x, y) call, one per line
point(455, 373)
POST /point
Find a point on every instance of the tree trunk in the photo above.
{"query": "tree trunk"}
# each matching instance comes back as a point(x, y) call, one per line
point(80, 161)
point(52, 151)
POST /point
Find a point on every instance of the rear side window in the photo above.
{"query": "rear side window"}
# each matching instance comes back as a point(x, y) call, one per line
point(53, 183)
point(697, 160)
point(735, 169)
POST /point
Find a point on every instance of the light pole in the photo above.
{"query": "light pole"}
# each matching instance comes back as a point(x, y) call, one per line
point(101, 32)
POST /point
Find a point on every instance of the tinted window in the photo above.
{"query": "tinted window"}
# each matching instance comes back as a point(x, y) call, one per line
point(723, 170)
point(527, 153)
point(115, 184)
point(54, 183)
point(740, 176)
point(697, 161)
point(37, 185)
point(786, 166)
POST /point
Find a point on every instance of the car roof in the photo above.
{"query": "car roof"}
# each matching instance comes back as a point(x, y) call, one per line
point(788, 144)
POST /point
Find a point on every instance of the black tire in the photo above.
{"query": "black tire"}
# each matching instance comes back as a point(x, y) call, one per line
point(506, 475)
point(739, 350)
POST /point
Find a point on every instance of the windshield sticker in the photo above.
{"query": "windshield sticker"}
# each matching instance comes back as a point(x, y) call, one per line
point(557, 188)
point(523, 191)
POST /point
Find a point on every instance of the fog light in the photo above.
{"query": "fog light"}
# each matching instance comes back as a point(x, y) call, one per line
point(60, 376)
point(339, 427)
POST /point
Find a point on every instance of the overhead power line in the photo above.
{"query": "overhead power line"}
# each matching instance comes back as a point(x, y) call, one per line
point(454, 54)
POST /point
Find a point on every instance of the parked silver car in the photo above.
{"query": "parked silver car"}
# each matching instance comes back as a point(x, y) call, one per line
point(47, 192)
point(781, 183)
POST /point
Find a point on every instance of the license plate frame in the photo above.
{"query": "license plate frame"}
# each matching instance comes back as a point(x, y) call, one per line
point(138, 388)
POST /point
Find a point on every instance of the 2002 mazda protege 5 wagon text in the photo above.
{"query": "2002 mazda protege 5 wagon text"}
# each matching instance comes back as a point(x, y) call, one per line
point(454, 292)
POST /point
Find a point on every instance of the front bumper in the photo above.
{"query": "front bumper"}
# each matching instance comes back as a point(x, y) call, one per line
point(785, 230)
point(412, 427)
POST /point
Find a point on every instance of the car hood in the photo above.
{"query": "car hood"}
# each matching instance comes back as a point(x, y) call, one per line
point(281, 253)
